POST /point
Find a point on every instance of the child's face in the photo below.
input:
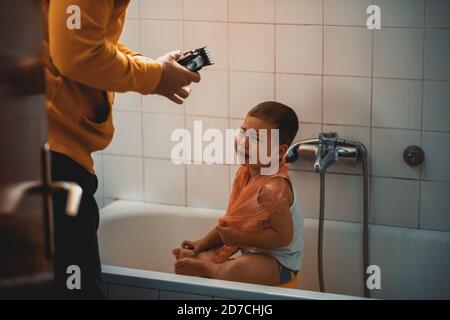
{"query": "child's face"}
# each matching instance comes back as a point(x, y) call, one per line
point(256, 134)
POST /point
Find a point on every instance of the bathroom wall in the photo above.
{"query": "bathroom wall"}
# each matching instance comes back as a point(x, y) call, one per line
point(387, 88)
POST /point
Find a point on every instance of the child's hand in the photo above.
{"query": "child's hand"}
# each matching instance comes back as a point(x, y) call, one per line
point(230, 235)
point(192, 245)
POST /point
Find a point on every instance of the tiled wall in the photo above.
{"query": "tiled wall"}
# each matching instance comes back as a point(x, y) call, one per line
point(387, 88)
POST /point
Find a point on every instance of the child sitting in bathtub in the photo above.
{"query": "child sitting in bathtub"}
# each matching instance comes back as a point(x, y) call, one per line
point(263, 219)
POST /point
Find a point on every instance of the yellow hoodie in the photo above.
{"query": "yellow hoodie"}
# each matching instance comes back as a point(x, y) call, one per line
point(83, 70)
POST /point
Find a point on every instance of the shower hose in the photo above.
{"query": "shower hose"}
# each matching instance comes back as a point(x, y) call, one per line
point(363, 153)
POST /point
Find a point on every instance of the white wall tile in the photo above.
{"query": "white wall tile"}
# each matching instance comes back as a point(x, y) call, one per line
point(251, 47)
point(436, 106)
point(156, 103)
point(436, 146)
point(158, 129)
point(387, 152)
point(164, 182)
point(398, 53)
point(252, 10)
point(210, 96)
point(346, 100)
point(214, 35)
point(133, 9)
point(299, 49)
point(401, 13)
point(395, 202)
point(160, 37)
point(129, 101)
point(235, 123)
point(397, 103)
point(207, 123)
point(299, 11)
point(123, 177)
point(344, 197)
point(127, 138)
point(357, 134)
point(207, 186)
point(247, 89)
point(167, 9)
point(130, 35)
point(302, 93)
point(216, 10)
point(437, 13)
point(346, 12)
point(437, 53)
point(348, 51)
point(306, 185)
point(98, 168)
point(435, 205)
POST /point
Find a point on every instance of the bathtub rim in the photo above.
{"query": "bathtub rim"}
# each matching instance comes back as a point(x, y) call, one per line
point(138, 278)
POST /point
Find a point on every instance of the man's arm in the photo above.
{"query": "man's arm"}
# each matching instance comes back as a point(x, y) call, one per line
point(85, 56)
point(124, 49)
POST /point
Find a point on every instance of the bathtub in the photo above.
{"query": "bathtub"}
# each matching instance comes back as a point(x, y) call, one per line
point(136, 240)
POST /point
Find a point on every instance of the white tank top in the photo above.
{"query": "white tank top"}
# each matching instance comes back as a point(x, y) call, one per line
point(291, 255)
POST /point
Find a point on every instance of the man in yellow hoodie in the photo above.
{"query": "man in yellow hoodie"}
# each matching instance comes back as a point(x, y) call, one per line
point(84, 67)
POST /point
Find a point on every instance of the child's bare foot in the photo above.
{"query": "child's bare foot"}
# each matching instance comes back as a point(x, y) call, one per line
point(193, 267)
point(183, 253)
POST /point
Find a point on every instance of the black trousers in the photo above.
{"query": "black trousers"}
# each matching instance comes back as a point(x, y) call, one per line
point(76, 242)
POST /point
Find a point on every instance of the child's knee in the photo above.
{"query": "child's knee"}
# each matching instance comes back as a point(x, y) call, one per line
point(236, 268)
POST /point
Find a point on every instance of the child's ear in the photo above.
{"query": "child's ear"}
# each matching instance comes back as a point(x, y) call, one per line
point(283, 149)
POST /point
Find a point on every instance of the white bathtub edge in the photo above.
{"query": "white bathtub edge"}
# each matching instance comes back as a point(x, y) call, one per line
point(209, 287)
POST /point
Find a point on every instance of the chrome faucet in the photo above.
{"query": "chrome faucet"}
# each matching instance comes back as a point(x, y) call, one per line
point(326, 150)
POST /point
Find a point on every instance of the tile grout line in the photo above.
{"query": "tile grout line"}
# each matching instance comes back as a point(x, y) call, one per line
point(144, 185)
point(322, 102)
point(291, 24)
point(229, 84)
point(184, 109)
point(303, 122)
point(370, 152)
point(419, 200)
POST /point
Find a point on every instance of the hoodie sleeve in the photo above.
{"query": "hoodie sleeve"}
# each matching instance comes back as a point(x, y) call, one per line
point(86, 56)
point(124, 49)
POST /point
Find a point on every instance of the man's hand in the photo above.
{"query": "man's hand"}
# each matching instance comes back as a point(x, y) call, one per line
point(175, 78)
point(230, 235)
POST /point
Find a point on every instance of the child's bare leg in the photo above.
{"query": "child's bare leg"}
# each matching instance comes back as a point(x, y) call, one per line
point(253, 268)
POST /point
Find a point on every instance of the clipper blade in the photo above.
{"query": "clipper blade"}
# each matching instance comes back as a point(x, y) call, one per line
point(195, 60)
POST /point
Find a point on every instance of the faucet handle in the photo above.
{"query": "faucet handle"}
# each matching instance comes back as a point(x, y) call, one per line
point(413, 155)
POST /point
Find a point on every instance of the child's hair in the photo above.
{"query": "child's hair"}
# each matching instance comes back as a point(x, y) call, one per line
point(280, 115)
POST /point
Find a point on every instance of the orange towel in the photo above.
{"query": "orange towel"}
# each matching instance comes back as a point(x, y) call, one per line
point(244, 211)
